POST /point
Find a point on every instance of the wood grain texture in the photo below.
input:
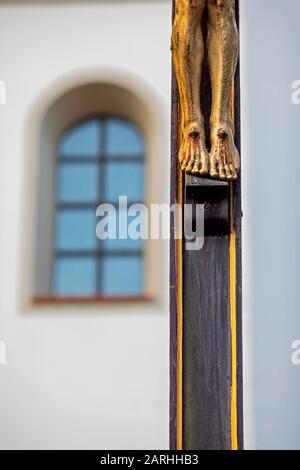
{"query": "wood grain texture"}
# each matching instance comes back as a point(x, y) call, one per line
point(206, 345)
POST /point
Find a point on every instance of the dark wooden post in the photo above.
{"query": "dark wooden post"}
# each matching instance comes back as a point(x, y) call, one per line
point(206, 410)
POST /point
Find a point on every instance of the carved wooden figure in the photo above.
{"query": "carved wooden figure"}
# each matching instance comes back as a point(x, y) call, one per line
point(188, 51)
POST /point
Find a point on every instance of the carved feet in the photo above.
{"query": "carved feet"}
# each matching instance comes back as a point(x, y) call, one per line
point(193, 155)
point(222, 163)
point(224, 156)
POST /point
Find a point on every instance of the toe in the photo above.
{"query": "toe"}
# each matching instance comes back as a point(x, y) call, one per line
point(189, 166)
point(191, 161)
point(222, 175)
point(181, 154)
point(196, 166)
point(204, 165)
point(236, 161)
point(233, 171)
point(185, 161)
point(213, 170)
point(228, 173)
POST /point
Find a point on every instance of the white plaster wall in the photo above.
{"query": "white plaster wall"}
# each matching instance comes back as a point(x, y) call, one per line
point(76, 377)
point(98, 378)
point(270, 38)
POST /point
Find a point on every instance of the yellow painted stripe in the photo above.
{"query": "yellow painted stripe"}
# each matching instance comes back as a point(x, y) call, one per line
point(233, 326)
point(179, 369)
point(232, 270)
point(179, 410)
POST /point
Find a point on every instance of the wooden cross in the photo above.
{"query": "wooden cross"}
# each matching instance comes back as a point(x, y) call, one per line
point(206, 402)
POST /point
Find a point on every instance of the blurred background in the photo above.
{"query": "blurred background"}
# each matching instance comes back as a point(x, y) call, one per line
point(85, 322)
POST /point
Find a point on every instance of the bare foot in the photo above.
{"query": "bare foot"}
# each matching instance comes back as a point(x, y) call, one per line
point(193, 155)
point(224, 156)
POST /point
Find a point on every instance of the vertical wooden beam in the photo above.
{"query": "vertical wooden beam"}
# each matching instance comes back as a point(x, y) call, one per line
point(206, 409)
point(206, 323)
point(173, 268)
point(237, 217)
point(175, 284)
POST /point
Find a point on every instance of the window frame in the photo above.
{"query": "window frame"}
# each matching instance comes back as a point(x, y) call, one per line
point(101, 159)
point(65, 102)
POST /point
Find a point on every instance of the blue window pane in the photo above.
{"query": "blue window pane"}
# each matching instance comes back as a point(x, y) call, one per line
point(123, 138)
point(76, 276)
point(125, 179)
point(77, 182)
point(82, 140)
point(122, 275)
point(76, 230)
point(119, 243)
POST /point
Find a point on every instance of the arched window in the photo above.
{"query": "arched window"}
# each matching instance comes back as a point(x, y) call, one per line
point(98, 160)
point(91, 144)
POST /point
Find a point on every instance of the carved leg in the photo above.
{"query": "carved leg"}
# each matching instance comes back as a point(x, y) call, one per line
point(188, 52)
point(222, 44)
